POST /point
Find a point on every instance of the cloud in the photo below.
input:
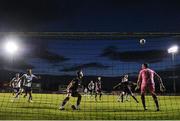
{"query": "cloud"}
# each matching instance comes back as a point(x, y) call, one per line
point(150, 56)
point(40, 49)
point(88, 65)
point(50, 56)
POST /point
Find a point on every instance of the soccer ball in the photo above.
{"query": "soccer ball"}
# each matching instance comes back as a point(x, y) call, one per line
point(142, 41)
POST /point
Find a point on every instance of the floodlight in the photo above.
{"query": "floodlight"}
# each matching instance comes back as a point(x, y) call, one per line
point(11, 47)
point(173, 49)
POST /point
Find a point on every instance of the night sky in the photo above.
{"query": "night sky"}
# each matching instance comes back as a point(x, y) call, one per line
point(90, 15)
point(98, 57)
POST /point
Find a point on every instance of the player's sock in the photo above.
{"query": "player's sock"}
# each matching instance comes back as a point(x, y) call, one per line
point(96, 97)
point(143, 102)
point(135, 98)
point(16, 96)
point(65, 101)
point(122, 97)
point(30, 97)
point(77, 107)
point(78, 100)
point(156, 101)
point(100, 96)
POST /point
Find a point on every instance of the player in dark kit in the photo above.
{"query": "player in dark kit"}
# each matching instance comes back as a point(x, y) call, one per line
point(72, 90)
point(98, 88)
point(125, 86)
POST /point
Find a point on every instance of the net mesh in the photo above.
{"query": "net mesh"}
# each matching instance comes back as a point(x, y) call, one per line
point(56, 57)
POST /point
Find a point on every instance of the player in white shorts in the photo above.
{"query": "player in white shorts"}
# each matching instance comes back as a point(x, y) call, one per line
point(27, 83)
point(15, 83)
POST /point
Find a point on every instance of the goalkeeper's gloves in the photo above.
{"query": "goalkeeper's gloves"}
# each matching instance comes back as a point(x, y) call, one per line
point(162, 87)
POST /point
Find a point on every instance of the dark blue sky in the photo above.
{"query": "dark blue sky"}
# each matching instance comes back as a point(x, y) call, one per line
point(90, 15)
point(95, 57)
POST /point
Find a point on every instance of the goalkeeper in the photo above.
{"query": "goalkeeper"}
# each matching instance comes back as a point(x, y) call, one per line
point(146, 80)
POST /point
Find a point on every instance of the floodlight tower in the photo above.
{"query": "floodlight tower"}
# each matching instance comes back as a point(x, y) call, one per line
point(173, 50)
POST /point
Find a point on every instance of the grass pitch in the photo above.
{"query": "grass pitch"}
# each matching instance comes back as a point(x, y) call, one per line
point(45, 106)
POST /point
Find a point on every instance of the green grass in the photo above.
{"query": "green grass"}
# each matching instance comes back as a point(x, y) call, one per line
point(45, 106)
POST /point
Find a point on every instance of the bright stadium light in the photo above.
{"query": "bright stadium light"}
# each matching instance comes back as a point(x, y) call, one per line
point(173, 49)
point(11, 47)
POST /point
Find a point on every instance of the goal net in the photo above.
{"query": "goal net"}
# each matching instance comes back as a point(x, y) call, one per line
point(111, 64)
